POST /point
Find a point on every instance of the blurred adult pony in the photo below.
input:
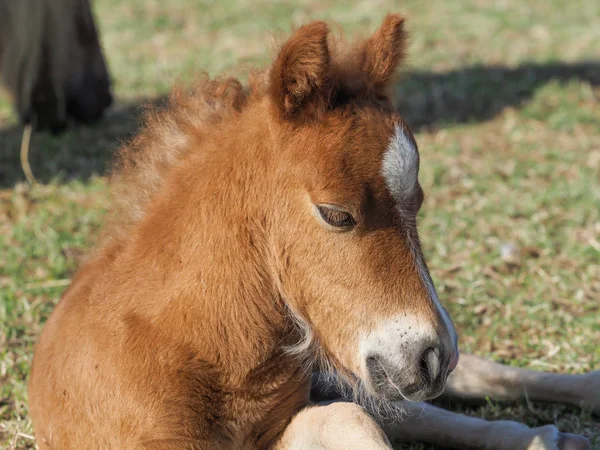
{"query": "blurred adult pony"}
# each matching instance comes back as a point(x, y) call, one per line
point(51, 62)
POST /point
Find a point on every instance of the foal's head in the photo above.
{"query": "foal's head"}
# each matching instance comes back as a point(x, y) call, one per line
point(348, 259)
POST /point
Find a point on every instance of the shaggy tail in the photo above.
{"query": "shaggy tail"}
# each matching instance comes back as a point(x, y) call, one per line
point(25, 140)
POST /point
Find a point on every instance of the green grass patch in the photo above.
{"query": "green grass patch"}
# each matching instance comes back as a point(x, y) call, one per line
point(504, 100)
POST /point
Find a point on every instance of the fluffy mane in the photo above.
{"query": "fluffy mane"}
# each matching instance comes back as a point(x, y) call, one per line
point(141, 167)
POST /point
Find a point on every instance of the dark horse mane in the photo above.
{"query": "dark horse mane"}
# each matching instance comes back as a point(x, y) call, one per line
point(51, 62)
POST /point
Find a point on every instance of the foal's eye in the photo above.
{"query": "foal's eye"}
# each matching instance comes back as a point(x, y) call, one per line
point(336, 217)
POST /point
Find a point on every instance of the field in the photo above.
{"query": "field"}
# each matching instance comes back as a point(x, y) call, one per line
point(504, 98)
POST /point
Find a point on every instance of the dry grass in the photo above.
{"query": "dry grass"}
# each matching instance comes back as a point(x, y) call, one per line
point(504, 97)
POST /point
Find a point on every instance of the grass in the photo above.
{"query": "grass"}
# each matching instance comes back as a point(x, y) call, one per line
point(505, 100)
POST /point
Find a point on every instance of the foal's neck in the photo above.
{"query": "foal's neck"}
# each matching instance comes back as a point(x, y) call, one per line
point(203, 247)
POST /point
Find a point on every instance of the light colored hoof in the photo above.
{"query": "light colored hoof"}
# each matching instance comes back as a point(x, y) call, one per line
point(549, 438)
point(591, 391)
point(568, 441)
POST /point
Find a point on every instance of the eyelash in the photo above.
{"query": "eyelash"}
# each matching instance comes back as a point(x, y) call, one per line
point(336, 217)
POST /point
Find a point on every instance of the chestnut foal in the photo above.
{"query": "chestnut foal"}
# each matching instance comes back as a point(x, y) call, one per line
point(259, 232)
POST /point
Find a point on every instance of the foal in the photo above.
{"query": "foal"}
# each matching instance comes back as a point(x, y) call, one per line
point(260, 231)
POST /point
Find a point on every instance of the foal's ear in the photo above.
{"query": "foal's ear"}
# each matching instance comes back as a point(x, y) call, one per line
point(383, 52)
point(299, 77)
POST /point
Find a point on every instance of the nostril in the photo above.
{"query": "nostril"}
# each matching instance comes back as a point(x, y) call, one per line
point(375, 369)
point(430, 364)
point(372, 359)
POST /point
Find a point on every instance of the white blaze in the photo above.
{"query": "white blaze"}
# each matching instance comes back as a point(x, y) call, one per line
point(400, 166)
point(400, 170)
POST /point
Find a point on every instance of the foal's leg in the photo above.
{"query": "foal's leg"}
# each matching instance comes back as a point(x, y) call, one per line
point(427, 423)
point(335, 426)
point(478, 378)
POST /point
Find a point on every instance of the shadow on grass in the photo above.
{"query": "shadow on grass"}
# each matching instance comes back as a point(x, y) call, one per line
point(427, 100)
point(80, 152)
point(478, 93)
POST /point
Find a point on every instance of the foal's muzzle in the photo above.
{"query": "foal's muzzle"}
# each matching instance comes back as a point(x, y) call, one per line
point(422, 376)
point(408, 358)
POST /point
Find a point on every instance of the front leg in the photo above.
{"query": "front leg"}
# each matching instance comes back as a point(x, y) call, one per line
point(427, 423)
point(336, 426)
point(477, 378)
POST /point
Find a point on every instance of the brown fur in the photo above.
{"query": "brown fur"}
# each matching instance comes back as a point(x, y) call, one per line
point(176, 333)
point(51, 61)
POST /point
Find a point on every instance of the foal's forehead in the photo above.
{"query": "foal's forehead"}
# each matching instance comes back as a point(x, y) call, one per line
point(389, 156)
point(365, 155)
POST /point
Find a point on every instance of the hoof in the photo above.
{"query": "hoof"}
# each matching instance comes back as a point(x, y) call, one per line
point(590, 389)
point(568, 441)
point(549, 438)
